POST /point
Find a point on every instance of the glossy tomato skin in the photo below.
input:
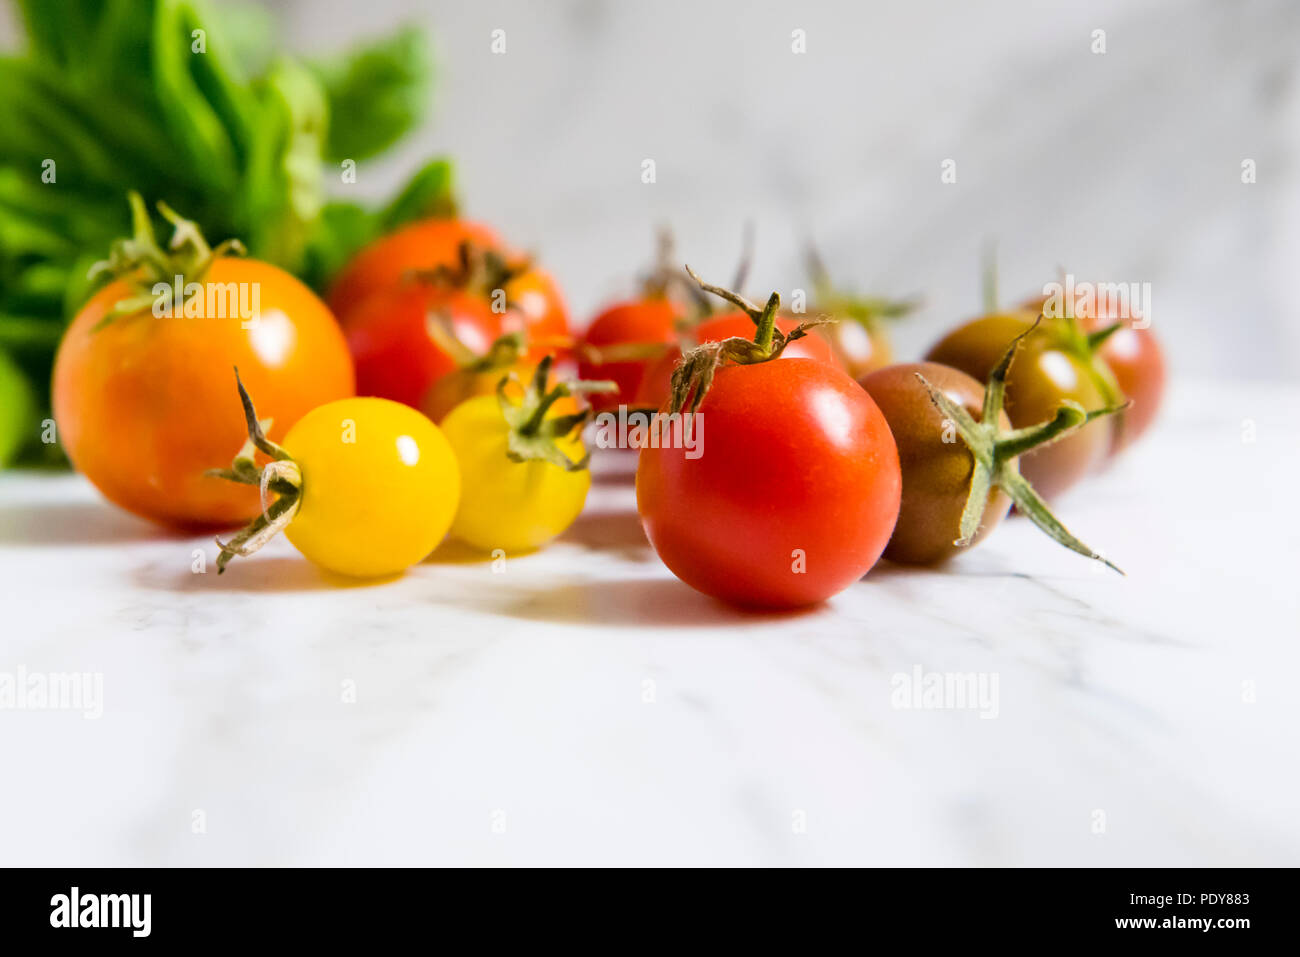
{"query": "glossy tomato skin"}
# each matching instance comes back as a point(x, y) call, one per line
point(539, 311)
point(936, 473)
point(512, 506)
point(637, 322)
point(657, 382)
point(794, 493)
point(1042, 375)
point(145, 405)
point(385, 263)
point(380, 485)
point(396, 357)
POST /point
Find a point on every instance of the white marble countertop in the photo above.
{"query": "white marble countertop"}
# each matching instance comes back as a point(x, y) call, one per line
point(580, 706)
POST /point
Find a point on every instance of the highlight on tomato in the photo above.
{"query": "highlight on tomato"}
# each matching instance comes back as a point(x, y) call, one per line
point(794, 495)
point(959, 453)
point(522, 461)
point(140, 395)
point(364, 487)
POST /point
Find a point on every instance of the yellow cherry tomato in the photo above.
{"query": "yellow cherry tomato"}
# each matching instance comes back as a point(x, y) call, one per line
point(379, 486)
point(513, 506)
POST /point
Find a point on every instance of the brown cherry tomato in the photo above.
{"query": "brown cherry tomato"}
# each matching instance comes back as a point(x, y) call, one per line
point(936, 464)
point(1044, 374)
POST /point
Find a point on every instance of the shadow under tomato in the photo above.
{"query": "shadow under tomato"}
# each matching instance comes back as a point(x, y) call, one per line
point(75, 523)
point(261, 574)
point(453, 552)
point(635, 603)
point(609, 530)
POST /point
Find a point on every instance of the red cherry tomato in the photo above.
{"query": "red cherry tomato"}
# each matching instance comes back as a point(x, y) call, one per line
point(656, 383)
point(641, 322)
point(794, 492)
point(384, 264)
point(395, 356)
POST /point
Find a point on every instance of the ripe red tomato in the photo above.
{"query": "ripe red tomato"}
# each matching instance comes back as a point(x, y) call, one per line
point(396, 357)
point(384, 263)
point(794, 493)
point(638, 323)
point(144, 405)
point(655, 385)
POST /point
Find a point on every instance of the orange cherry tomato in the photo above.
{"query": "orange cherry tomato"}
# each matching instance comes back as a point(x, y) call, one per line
point(144, 405)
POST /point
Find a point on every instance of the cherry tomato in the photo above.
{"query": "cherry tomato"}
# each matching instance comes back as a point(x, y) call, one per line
point(396, 356)
point(1044, 374)
point(654, 388)
point(1134, 355)
point(144, 404)
point(385, 263)
point(380, 486)
point(792, 496)
point(517, 503)
point(369, 488)
point(639, 323)
point(936, 465)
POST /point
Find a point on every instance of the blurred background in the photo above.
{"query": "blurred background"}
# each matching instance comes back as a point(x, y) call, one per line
point(1122, 166)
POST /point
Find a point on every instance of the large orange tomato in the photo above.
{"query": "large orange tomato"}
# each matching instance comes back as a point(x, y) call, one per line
point(145, 404)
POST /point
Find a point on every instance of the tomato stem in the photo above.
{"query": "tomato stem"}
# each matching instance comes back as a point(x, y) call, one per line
point(282, 476)
point(141, 262)
point(995, 454)
point(532, 435)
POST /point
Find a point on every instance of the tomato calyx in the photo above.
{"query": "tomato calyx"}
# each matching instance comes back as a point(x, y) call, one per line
point(142, 263)
point(995, 452)
point(869, 312)
point(534, 435)
point(694, 373)
point(281, 476)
